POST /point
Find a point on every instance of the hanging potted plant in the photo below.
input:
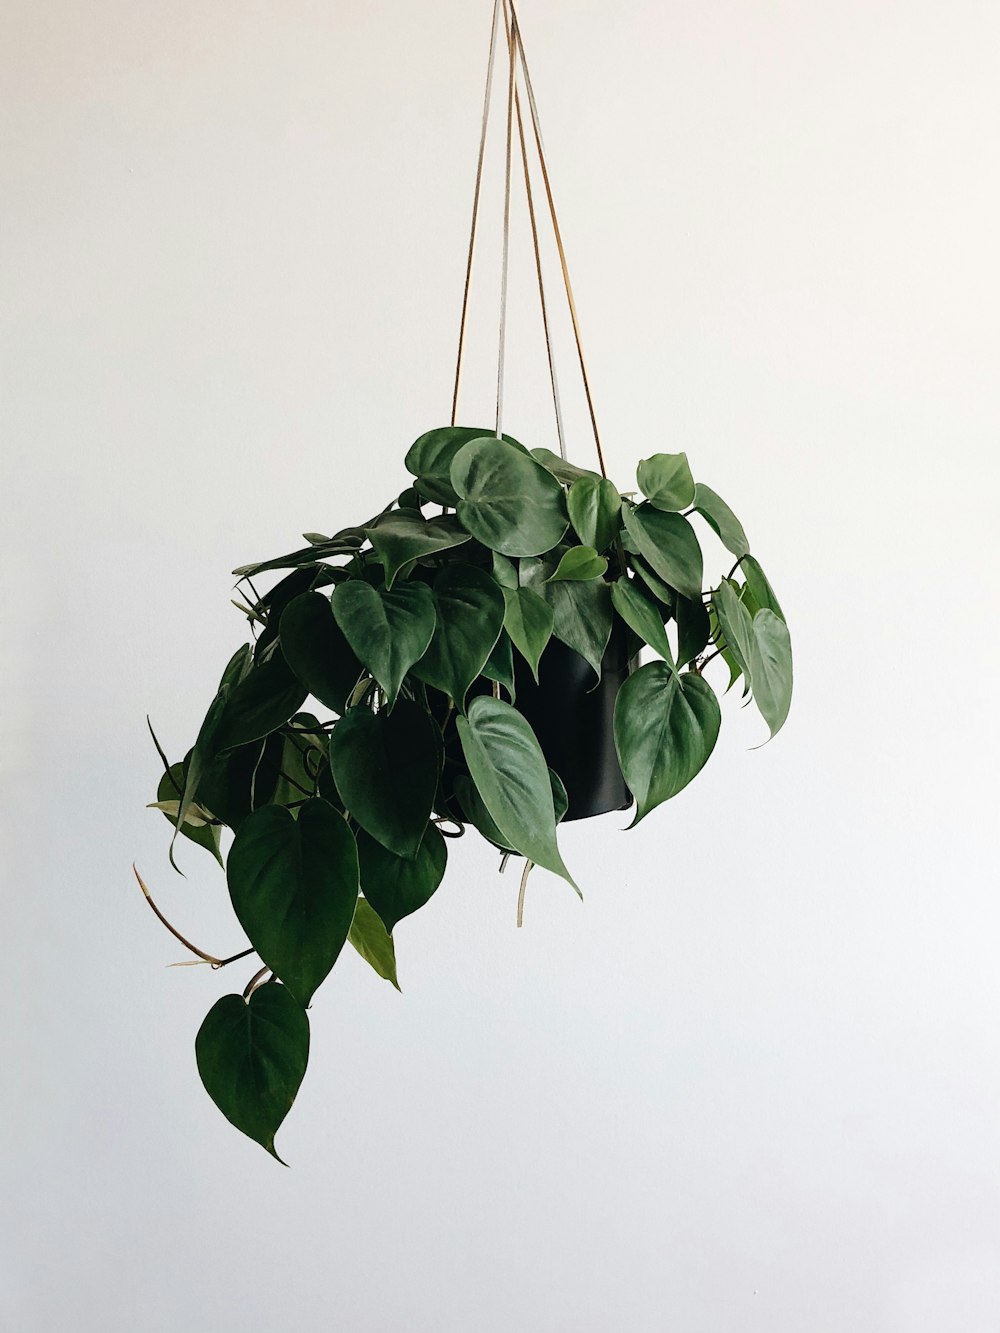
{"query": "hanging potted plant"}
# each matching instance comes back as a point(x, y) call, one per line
point(513, 642)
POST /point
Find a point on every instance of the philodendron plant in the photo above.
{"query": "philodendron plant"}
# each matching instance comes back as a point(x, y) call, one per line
point(413, 634)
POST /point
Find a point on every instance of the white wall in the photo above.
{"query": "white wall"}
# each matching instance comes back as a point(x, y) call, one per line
point(753, 1083)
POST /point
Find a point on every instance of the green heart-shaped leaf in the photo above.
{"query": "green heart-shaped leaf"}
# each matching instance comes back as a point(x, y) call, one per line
point(317, 651)
point(252, 1058)
point(578, 565)
point(561, 468)
point(469, 607)
point(508, 502)
point(404, 535)
point(386, 768)
point(581, 612)
point(640, 614)
point(431, 456)
point(388, 631)
point(735, 622)
point(757, 582)
point(595, 511)
point(395, 886)
point(666, 727)
point(666, 481)
point(294, 886)
point(510, 773)
point(668, 543)
point(693, 628)
point(373, 942)
point(721, 518)
point(528, 619)
point(771, 668)
point(264, 700)
point(500, 665)
point(480, 818)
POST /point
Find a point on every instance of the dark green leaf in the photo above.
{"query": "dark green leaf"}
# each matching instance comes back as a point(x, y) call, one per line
point(438, 490)
point(666, 727)
point(504, 571)
point(273, 603)
point(561, 468)
point(396, 886)
point(469, 607)
point(579, 564)
point(509, 770)
point(432, 453)
point(721, 518)
point(595, 511)
point(202, 752)
point(669, 544)
point(388, 631)
point(480, 818)
point(315, 648)
point(168, 795)
point(693, 628)
point(638, 612)
point(252, 1059)
point(302, 756)
point(373, 942)
point(404, 536)
point(263, 701)
point(666, 481)
point(308, 555)
point(235, 783)
point(500, 665)
point(528, 619)
point(660, 590)
point(509, 503)
point(581, 611)
point(386, 768)
point(294, 886)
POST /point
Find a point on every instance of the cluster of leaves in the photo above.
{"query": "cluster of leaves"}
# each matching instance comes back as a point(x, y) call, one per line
point(407, 630)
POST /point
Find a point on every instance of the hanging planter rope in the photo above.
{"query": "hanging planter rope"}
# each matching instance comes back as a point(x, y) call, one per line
point(481, 669)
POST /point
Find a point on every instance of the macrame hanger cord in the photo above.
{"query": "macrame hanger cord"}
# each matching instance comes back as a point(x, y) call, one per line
point(514, 36)
point(475, 208)
point(505, 265)
point(557, 232)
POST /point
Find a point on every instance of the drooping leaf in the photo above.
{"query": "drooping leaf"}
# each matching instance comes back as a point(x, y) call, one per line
point(666, 481)
point(595, 511)
point(508, 501)
point(307, 555)
point(234, 783)
point(581, 611)
point(202, 752)
point(693, 628)
point(579, 564)
point(668, 543)
point(386, 768)
point(660, 590)
point(317, 651)
point(203, 834)
point(469, 606)
point(373, 942)
point(509, 770)
point(396, 886)
point(721, 518)
point(475, 811)
point(263, 701)
point(252, 1058)
point(528, 619)
point(639, 612)
point(735, 624)
point(388, 631)
point(758, 584)
point(561, 468)
point(294, 886)
point(666, 727)
point(771, 668)
point(500, 665)
point(504, 571)
point(405, 535)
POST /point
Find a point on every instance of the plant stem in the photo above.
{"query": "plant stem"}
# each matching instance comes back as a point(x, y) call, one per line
point(199, 953)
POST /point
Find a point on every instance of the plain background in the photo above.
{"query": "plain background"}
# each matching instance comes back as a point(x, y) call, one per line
point(752, 1084)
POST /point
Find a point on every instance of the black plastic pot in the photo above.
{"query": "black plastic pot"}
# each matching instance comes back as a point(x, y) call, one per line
point(573, 718)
